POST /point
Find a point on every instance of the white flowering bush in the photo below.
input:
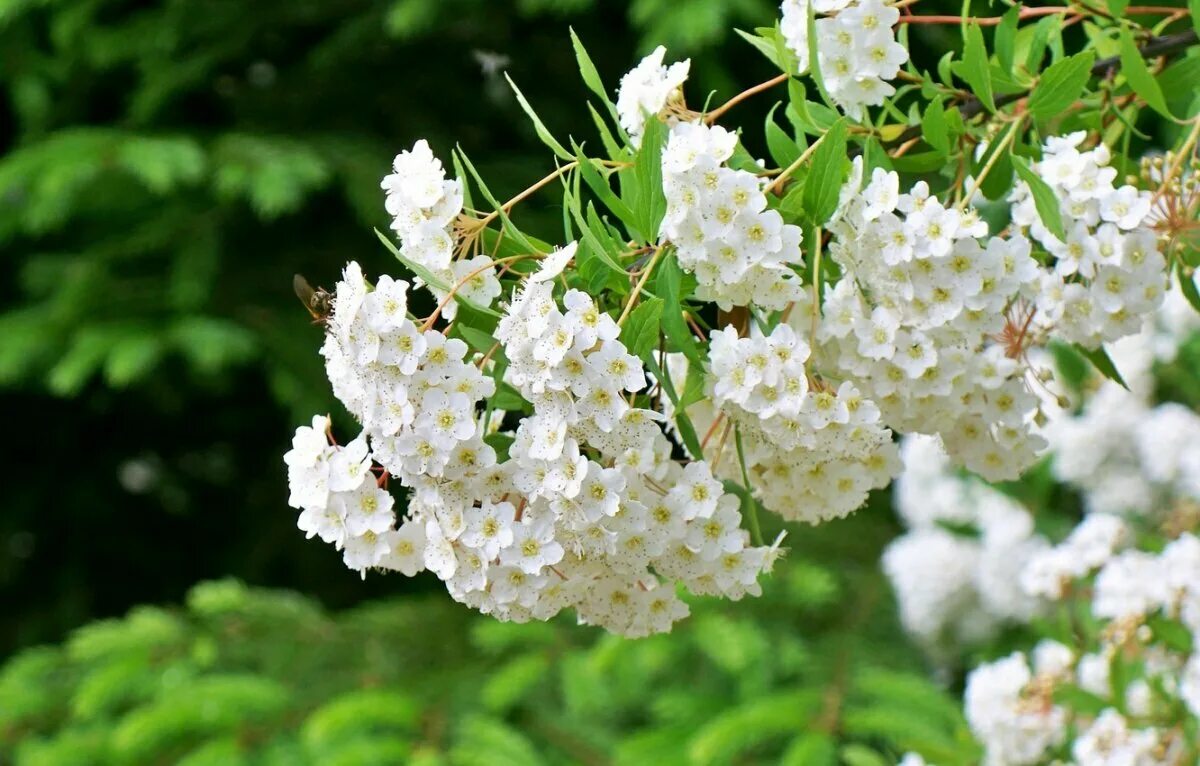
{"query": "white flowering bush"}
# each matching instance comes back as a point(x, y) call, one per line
point(602, 418)
point(1115, 599)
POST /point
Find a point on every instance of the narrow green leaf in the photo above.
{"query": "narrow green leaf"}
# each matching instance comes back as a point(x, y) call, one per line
point(933, 127)
point(1194, 12)
point(538, 126)
point(644, 193)
point(591, 77)
point(814, 60)
point(674, 327)
point(770, 44)
point(973, 68)
point(599, 186)
point(1044, 198)
point(1103, 363)
point(687, 431)
point(606, 137)
point(641, 328)
point(592, 237)
point(1187, 285)
point(1137, 74)
point(429, 278)
point(1060, 85)
point(510, 229)
point(1006, 38)
point(826, 175)
point(783, 149)
point(1117, 7)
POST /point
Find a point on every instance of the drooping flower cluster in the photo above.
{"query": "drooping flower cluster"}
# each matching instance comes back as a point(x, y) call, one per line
point(647, 89)
point(913, 322)
point(857, 52)
point(588, 510)
point(717, 218)
point(1108, 272)
point(815, 451)
point(424, 204)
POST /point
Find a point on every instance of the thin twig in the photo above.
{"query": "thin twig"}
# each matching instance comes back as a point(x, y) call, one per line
point(715, 114)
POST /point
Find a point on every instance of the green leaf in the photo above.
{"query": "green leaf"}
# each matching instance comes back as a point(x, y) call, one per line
point(1137, 74)
point(538, 126)
point(599, 186)
point(973, 68)
point(826, 175)
point(1103, 363)
point(1187, 285)
point(814, 59)
point(687, 432)
point(674, 327)
point(769, 42)
point(783, 149)
point(510, 228)
point(430, 279)
point(1006, 38)
point(1194, 12)
point(933, 127)
point(641, 328)
point(1060, 85)
point(591, 77)
point(1079, 700)
point(594, 238)
point(1178, 85)
point(644, 194)
point(1117, 7)
point(810, 749)
point(1044, 197)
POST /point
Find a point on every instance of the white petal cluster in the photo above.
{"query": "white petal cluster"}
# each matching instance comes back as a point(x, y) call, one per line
point(601, 470)
point(1109, 741)
point(647, 89)
point(1012, 717)
point(424, 204)
point(588, 511)
point(857, 52)
point(813, 451)
point(1049, 573)
point(956, 570)
point(913, 323)
point(717, 218)
point(1108, 273)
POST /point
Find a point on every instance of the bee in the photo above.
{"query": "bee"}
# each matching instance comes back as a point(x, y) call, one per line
point(319, 301)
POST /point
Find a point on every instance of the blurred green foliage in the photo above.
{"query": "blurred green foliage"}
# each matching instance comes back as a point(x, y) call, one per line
point(809, 674)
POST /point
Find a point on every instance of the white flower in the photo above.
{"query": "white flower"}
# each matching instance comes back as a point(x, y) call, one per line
point(554, 263)
point(646, 89)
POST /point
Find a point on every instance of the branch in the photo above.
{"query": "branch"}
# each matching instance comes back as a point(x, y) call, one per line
point(1158, 46)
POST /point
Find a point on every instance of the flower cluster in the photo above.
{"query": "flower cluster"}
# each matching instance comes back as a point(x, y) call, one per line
point(1137, 665)
point(857, 52)
point(717, 218)
point(1108, 272)
point(956, 571)
point(1125, 673)
point(587, 510)
point(915, 322)
point(816, 451)
point(424, 204)
point(647, 89)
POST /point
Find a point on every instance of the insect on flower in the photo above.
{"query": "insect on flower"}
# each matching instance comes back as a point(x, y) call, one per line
point(318, 301)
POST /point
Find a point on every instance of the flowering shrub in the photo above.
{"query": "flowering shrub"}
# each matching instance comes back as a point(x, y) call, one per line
point(596, 424)
point(1114, 679)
